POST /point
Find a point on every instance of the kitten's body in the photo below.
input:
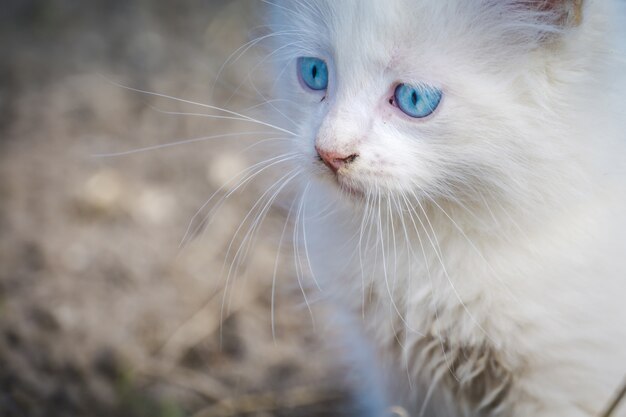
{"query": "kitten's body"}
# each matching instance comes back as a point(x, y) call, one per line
point(486, 244)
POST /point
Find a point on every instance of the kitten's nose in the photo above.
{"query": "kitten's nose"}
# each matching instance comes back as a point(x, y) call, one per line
point(335, 160)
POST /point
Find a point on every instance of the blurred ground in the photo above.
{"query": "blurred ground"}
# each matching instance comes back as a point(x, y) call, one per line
point(95, 294)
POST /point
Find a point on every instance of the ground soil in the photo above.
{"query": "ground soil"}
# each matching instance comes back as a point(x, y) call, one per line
point(102, 312)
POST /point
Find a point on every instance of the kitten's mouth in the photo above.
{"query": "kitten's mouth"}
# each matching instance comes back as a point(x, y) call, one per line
point(343, 183)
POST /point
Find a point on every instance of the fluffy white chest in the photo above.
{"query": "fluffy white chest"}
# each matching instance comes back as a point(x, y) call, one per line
point(521, 322)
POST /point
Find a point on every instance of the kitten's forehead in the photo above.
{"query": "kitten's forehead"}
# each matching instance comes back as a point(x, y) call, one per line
point(366, 28)
point(414, 35)
point(371, 36)
point(363, 37)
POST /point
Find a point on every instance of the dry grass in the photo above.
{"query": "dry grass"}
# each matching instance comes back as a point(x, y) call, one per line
point(101, 313)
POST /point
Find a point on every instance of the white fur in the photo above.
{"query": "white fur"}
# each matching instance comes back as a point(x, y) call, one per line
point(485, 244)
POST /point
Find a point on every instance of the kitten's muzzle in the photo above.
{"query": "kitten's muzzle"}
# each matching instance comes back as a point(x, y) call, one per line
point(335, 160)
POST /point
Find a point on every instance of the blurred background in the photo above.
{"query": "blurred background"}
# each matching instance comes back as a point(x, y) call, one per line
point(102, 311)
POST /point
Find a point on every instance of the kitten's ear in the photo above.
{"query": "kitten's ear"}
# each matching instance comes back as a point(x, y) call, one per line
point(564, 13)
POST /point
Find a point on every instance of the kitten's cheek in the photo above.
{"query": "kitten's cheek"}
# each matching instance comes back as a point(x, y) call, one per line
point(385, 110)
point(385, 115)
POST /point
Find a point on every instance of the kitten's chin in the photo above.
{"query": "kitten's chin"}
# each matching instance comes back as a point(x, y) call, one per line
point(351, 190)
point(344, 186)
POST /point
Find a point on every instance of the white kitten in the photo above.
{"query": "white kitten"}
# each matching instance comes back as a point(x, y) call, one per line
point(472, 203)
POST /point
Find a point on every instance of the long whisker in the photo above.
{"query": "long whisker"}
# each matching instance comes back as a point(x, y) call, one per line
point(409, 280)
point(411, 213)
point(279, 185)
point(306, 245)
point(249, 238)
point(438, 253)
point(474, 248)
point(275, 274)
point(269, 102)
point(177, 142)
point(204, 115)
point(298, 261)
point(261, 142)
point(207, 106)
point(258, 202)
point(248, 175)
point(386, 277)
point(364, 221)
point(394, 243)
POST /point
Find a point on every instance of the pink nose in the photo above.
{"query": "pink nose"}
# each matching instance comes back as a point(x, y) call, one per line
point(335, 160)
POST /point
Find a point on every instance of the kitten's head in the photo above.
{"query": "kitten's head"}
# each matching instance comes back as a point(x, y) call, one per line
point(429, 98)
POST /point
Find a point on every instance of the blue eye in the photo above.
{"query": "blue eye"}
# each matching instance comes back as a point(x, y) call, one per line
point(417, 101)
point(313, 72)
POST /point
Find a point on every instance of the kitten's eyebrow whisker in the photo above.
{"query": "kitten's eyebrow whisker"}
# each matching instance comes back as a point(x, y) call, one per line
point(277, 6)
point(207, 106)
point(270, 102)
point(243, 49)
point(279, 76)
point(256, 66)
point(290, 11)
